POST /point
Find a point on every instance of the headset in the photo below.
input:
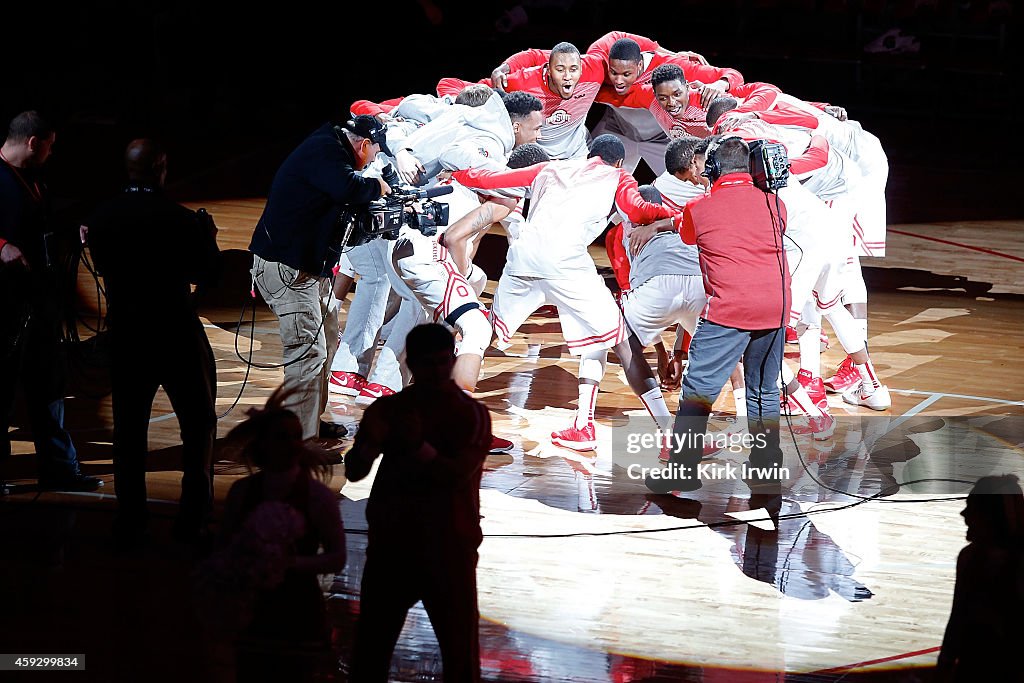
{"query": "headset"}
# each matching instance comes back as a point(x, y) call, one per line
point(769, 164)
point(712, 166)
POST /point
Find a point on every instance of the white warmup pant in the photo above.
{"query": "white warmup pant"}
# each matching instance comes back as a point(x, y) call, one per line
point(366, 314)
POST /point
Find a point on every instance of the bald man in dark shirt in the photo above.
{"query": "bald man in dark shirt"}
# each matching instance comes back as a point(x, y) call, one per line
point(150, 250)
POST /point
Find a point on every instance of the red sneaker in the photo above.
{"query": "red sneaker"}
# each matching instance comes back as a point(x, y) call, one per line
point(787, 407)
point(371, 392)
point(500, 445)
point(846, 376)
point(347, 383)
point(815, 389)
point(820, 428)
point(577, 439)
point(791, 336)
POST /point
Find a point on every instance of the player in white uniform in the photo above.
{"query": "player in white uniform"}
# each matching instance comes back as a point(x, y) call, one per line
point(676, 296)
point(364, 321)
point(665, 284)
point(869, 224)
point(475, 134)
point(570, 202)
point(815, 264)
point(358, 343)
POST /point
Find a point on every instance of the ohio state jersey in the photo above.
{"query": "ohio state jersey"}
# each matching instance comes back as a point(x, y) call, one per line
point(562, 135)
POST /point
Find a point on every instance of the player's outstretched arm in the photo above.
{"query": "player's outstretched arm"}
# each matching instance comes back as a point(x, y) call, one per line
point(457, 237)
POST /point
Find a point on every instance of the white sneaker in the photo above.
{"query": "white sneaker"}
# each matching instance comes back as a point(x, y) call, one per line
point(877, 400)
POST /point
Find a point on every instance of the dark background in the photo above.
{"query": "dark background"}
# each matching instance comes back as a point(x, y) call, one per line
point(230, 89)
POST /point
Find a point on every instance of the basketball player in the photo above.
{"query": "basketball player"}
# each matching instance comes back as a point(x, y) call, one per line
point(821, 277)
point(566, 86)
point(570, 202)
point(629, 61)
point(869, 225)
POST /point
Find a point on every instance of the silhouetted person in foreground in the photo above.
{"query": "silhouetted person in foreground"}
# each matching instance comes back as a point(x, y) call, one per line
point(986, 624)
point(275, 522)
point(423, 512)
point(150, 250)
point(30, 306)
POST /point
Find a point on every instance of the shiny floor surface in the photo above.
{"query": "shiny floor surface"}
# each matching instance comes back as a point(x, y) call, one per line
point(842, 572)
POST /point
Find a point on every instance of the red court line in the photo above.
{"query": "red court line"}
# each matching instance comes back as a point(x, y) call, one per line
point(870, 662)
point(958, 244)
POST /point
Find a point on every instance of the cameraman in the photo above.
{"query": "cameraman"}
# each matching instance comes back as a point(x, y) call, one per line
point(125, 234)
point(738, 231)
point(30, 315)
point(297, 243)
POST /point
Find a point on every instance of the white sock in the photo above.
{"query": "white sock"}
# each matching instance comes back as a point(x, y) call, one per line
point(801, 400)
point(870, 379)
point(740, 397)
point(654, 401)
point(587, 402)
point(810, 350)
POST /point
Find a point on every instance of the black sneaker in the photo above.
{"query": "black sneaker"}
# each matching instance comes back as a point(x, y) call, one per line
point(77, 482)
point(333, 430)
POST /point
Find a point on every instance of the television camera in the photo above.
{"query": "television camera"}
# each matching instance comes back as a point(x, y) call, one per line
point(384, 217)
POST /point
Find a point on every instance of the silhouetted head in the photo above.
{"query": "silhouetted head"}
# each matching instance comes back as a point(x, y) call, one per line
point(994, 512)
point(271, 440)
point(33, 139)
point(145, 162)
point(609, 148)
point(430, 354)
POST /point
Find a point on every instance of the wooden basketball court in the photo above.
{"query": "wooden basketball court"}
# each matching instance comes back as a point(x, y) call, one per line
point(585, 576)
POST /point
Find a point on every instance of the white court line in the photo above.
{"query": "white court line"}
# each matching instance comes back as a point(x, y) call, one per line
point(964, 396)
point(914, 411)
point(258, 330)
point(84, 494)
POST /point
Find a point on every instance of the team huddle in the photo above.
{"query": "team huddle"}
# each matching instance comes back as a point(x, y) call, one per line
point(516, 151)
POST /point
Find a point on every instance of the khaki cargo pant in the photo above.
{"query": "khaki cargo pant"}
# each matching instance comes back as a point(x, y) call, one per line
point(308, 316)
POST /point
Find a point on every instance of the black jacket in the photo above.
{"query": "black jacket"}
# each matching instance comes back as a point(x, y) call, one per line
point(299, 224)
point(150, 250)
point(24, 212)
